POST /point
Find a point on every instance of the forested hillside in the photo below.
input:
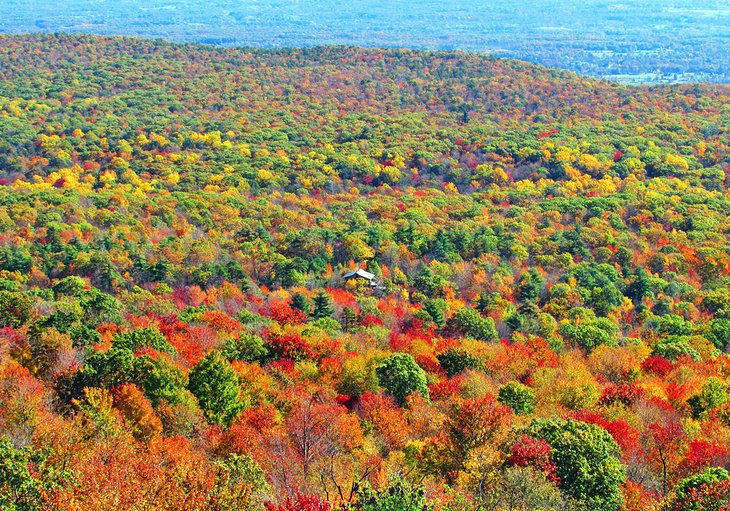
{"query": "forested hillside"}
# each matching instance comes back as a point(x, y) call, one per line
point(546, 328)
point(647, 41)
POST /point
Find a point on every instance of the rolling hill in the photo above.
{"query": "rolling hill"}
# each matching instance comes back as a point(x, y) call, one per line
point(549, 318)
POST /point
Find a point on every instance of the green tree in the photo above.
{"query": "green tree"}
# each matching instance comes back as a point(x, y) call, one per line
point(672, 324)
point(300, 302)
point(468, 322)
point(684, 491)
point(399, 495)
point(401, 376)
point(591, 334)
point(717, 303)
point(643, 285)
point(604, 299)
point(348, 319)
point(517, 396)
point(215, 385)
point(429, 283)
point(720, 333)
point(322, 306)
point(714, 393)
point(675, 346)
point(100, 308)
point(104, 370)
point(15, 308)
point(161, 379)
point(69, 286)
point(24, 477)
point(436, 309)
point(142, 338)
point(247, 347)
point(530, 285)
point(456, 360)
point(587, 460)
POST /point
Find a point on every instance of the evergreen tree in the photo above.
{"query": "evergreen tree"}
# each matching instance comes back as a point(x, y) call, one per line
point(322, 306)
point(530, 285)
point(348, 319)
point(436, 309)
point(300, 302)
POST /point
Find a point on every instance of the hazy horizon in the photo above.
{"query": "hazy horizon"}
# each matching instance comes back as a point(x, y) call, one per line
point(639, 42)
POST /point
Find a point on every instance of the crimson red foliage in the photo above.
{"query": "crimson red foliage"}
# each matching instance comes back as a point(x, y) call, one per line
point(702, 454)
point(446, 387)
point(291, 346)
point(657, 365)
point(284, 314)
point(535, 453)
point(284, 366)
point(299, 503)
point(346, 401)
point(626, 436)
point(371, 320)
point(623, 393)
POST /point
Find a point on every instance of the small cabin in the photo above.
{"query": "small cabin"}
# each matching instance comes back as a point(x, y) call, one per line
point(363, 275)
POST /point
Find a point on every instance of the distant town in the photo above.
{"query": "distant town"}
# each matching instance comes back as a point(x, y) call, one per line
point(650, 42)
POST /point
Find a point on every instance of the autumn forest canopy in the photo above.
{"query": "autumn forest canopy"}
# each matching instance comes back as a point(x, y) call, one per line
point(546, 326)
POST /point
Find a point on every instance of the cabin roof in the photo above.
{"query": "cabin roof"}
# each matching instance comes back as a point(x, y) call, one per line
point(360, 273)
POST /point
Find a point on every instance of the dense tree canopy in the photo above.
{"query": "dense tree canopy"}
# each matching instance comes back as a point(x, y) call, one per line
point(546, 327)
point(586, 461)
